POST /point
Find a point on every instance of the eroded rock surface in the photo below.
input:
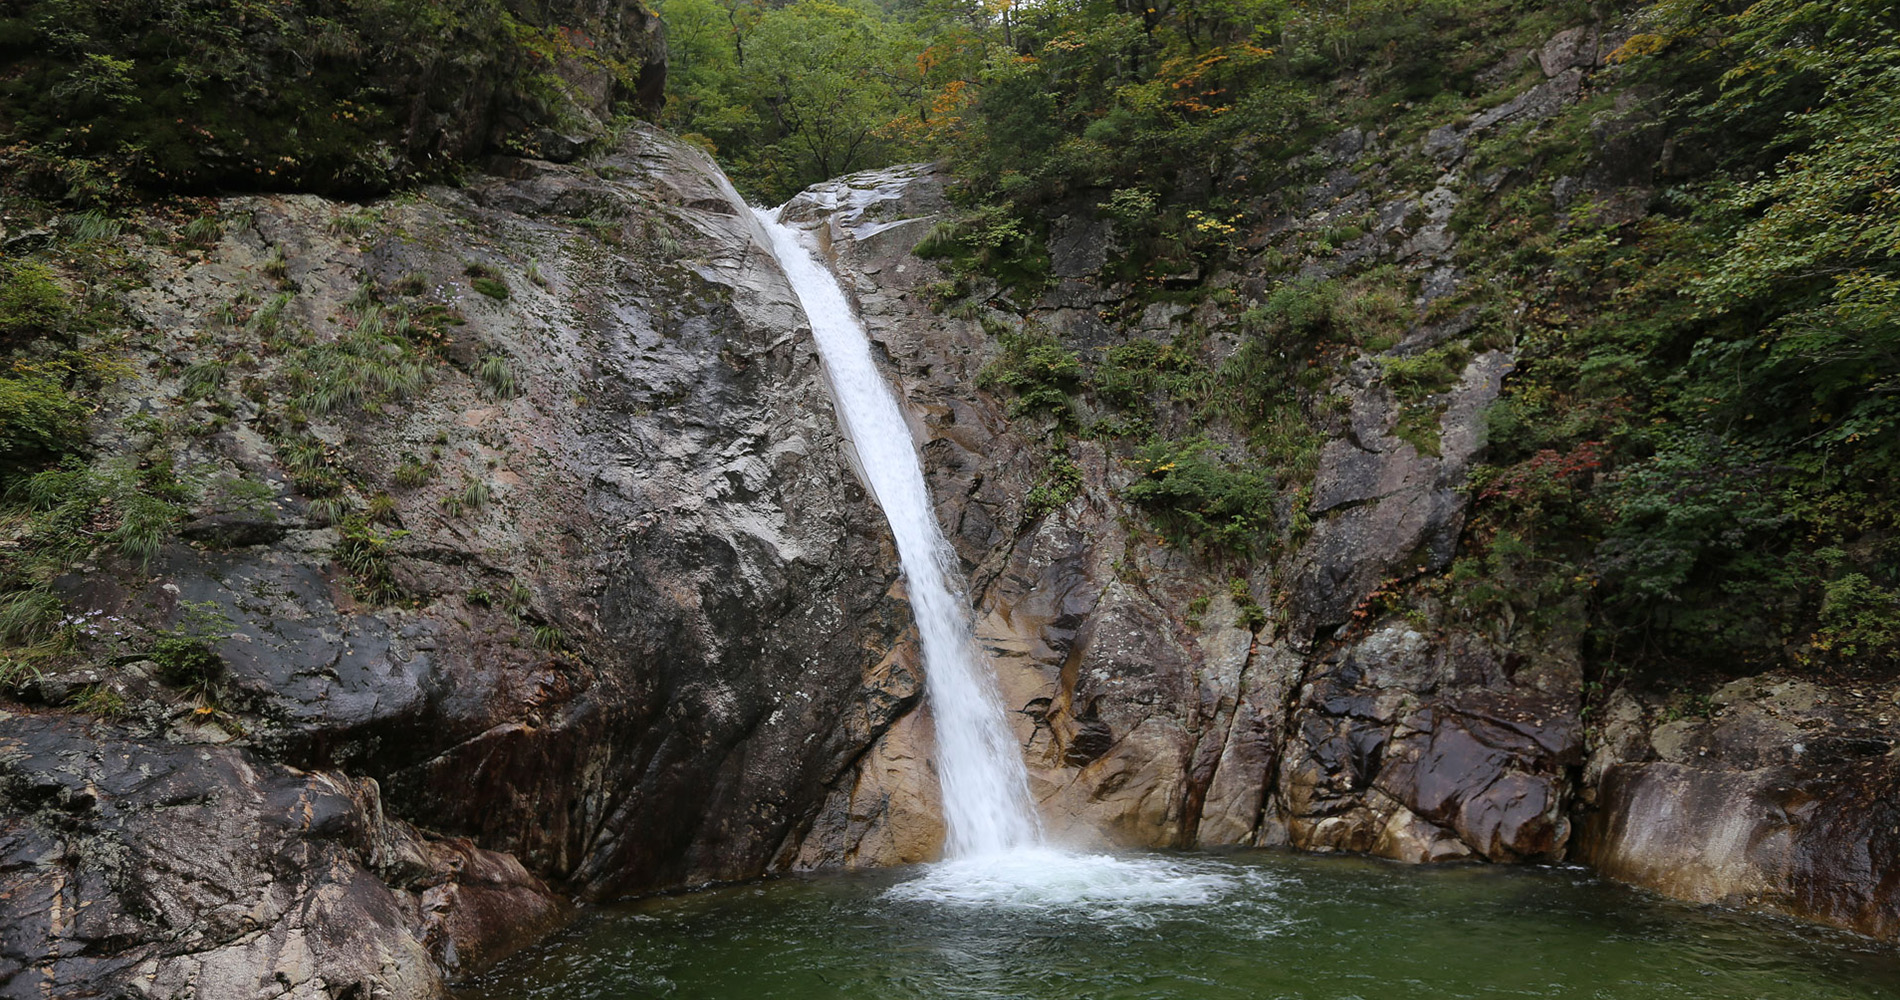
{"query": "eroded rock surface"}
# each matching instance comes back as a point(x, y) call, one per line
point(178, 869)
point(598, 593)
point(1778, 793)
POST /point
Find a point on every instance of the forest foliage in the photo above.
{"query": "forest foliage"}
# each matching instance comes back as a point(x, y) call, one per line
point(1694, 457)
point(1699, 445)
point(101, 102)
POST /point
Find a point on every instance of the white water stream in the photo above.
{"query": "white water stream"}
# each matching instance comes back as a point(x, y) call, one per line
point(995, 855)
point(985, 790)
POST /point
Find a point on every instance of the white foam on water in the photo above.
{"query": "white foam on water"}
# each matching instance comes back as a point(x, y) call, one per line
point(1050, 880)
point(979, 766)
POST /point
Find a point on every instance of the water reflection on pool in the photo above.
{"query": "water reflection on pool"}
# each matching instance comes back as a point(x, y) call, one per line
point(1258, 925)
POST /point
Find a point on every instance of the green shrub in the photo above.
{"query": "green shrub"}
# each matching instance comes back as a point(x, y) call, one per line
point(1428, 373)
point(31, 304)
point(992, 240)
point(1038, 372)
point(75, 507)
point(1860, 620)
point(39, 421)
point(186, 661)
point(363, 552)
point(1130, 374)
point(1196, 499)
point(1060, 484)
point(1303, 307)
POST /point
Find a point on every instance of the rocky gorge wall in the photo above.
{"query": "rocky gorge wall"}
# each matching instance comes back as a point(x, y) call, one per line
point(587, 601)
point(589, 585)
point(1169, 699)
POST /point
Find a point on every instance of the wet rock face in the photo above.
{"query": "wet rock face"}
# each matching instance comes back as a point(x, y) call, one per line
point(208, 870)
point(1783, 796)
point(1427, 751)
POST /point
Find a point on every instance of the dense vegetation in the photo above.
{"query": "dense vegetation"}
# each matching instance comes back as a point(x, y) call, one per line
point(1705, 431)
point(100, 101)
point(1698, 449)
point(1695, 264)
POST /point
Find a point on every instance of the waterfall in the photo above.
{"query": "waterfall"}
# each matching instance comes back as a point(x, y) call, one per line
point(979, 766)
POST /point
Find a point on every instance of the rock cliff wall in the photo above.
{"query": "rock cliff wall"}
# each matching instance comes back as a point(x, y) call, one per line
point(531, 569)
point(1170, 698)
point(519, 514)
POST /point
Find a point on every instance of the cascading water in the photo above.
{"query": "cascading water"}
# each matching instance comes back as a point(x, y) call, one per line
point(995, 855)
point(985, 790)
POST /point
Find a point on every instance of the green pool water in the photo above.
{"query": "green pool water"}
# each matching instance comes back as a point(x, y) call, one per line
point(1190, 927)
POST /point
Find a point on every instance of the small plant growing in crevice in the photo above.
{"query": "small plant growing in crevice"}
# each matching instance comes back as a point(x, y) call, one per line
point(96, 700)
point(277, 266)
point(363, 552)
point(1060, 484)
point(326, 511)
point(356, 223)
point(498, 376)
point(413, 472)
point(1248, 613)
point(185, 653)
point(370, 364)
point(202, 233)
point(203, 379)
point(519, 600)
point(381, 509)
point(549, 639)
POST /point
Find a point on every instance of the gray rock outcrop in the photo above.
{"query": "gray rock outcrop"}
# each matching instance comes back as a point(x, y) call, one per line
point(596, 592)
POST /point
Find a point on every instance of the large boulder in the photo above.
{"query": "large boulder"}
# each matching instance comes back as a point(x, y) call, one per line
point(1777, 792)
point(209, 871)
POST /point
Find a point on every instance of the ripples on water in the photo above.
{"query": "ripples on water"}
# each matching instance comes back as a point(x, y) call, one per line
point(1046, 925)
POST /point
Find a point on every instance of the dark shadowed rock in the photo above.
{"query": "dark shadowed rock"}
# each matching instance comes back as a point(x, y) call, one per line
point(232, 531)
point(1785, 797)
point(208, 871)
